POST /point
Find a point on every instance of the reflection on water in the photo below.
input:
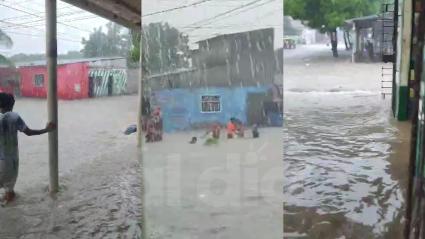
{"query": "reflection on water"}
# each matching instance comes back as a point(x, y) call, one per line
point(337, 174)
point(345, 157)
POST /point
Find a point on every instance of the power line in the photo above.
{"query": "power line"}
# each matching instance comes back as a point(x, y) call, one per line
point(25, 26)
point(29, 15)
point(20, 10)
point(41, 36)
point(176, 8)
point(268, 14)
point(40, 22)
point(233, 26)
point(250, 8)
point(205, 21)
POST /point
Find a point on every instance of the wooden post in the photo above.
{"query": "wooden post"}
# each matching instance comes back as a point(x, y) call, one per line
point(140, 99)
point(52, 100)
point(140, 138)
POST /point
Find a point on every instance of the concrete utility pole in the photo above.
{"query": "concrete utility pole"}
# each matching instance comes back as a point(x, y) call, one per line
point(52, 99)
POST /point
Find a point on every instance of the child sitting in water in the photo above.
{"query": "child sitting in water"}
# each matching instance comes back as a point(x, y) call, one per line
point(255, 133)
point(231, 128)
point(214, 134)
point(239, 128)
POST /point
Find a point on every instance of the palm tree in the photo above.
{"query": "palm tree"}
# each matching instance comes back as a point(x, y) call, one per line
point(5, 41)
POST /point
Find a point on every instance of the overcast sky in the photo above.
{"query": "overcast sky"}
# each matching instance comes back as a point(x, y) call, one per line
point(262, 14)
point(28, 31)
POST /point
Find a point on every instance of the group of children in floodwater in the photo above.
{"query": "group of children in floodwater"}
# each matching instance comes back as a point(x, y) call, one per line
point(234, 129)
point(153, 127)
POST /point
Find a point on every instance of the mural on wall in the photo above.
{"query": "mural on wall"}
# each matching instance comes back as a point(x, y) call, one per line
point(107, 82)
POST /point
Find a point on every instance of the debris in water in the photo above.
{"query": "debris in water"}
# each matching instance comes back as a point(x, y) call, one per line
point(131, 129)
point(194, 140)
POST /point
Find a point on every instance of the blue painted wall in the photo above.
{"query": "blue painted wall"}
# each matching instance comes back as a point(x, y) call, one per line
point(181, 108)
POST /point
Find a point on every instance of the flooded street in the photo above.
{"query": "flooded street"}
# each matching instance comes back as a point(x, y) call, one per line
point(99, 169)
point(345, 157)
point(230, 190)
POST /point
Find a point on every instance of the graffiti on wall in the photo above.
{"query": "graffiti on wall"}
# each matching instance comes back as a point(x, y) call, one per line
point(104, 82)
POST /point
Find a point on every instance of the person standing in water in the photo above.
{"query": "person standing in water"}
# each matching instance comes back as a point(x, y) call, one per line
point(10, 124)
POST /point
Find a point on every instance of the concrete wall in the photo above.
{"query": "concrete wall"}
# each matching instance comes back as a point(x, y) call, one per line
point(133, 77)
point(246, 59)
point(401, 93)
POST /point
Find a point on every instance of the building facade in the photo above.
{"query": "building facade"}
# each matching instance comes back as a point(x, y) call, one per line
point(9, 79)
point(232, 75)
point(77, 79)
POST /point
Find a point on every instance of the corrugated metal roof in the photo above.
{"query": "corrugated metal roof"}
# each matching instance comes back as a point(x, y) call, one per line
point(66, 61)
point(234, 34)
point(177, 71)
point(362, 22)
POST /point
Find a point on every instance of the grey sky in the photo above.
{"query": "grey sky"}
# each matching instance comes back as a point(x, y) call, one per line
point(264, 13)
point(27, 30)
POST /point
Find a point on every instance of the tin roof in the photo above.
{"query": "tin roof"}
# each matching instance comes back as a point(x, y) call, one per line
point(362, 22)
point(66, 61)
point(175, 72)
point(234, 34)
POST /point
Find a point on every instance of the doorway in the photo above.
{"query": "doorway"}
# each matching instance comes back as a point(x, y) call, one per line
point(110, 85)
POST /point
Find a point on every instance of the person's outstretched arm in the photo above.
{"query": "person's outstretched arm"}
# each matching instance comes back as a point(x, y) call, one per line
point(30, 132)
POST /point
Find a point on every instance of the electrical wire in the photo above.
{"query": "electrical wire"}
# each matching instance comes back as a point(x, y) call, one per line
point(39, 12)
point(40, 22)
point(210, 19)
point(176, 8)
point(41, 36)
point(61, 23)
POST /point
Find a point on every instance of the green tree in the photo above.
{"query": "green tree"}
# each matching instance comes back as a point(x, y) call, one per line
point(328, 15)
point(96, 45)
point(5, 41)
point(164, 48)
point(288, 27)
point(133, 59)
point(116, 41)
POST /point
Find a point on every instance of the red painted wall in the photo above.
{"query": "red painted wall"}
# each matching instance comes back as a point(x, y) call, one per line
point(69, 77)
point(8, 73)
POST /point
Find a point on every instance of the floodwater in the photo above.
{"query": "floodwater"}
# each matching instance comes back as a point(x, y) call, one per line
point(229, 190)
point(99, 173)
point(345, 158)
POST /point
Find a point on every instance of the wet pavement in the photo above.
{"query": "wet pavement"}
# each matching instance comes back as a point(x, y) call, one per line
point(99, 174)
point(345, 158)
